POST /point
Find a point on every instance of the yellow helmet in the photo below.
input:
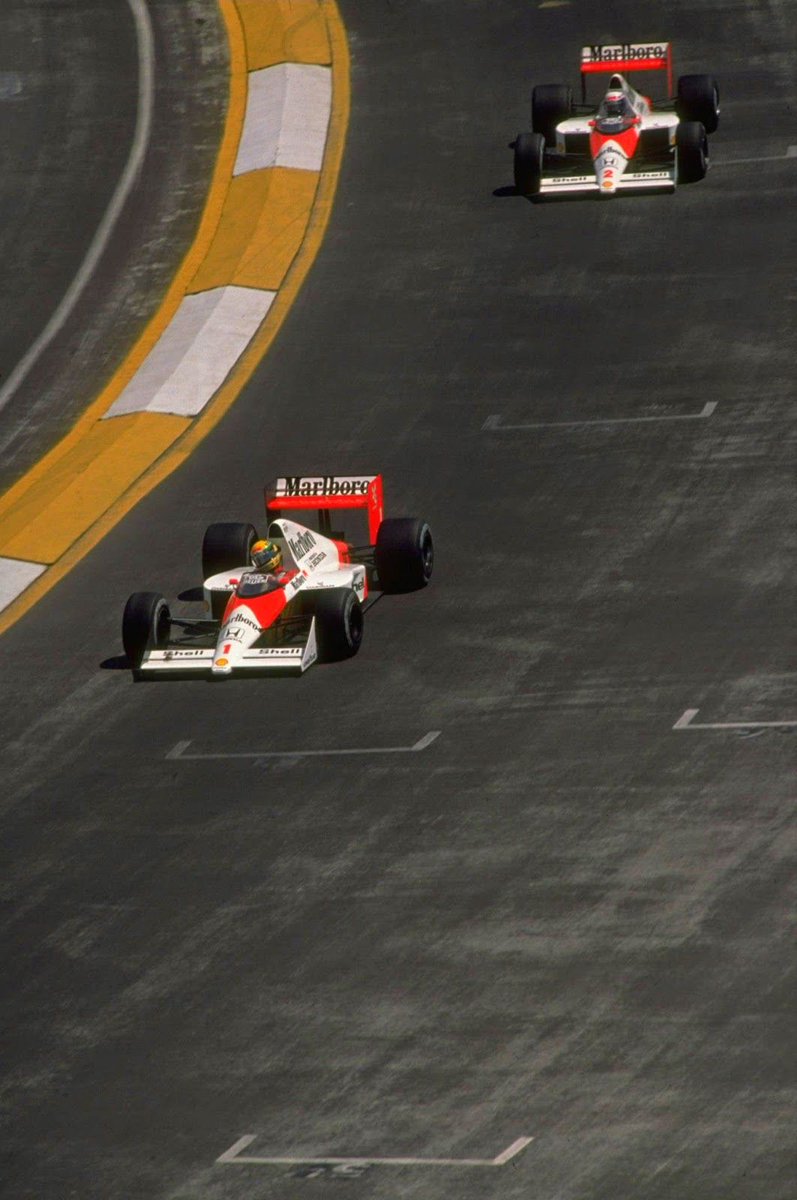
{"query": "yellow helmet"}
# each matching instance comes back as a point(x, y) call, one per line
point(266, 556)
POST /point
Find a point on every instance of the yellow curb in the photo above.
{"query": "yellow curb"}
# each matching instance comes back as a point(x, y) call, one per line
point(262, 227)
point(177, 451)
point(287, 31)
point(104, 463)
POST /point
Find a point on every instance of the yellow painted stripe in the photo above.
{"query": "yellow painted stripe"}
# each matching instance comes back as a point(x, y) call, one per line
point(262, 227)
point(199, 428)
point(64, 504)
point(284, 31)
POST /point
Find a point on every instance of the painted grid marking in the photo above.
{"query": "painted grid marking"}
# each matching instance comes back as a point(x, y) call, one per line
point(178, 752)
point(791, 152)
point(493, 423)
point(686, 722)
point(234, 1155)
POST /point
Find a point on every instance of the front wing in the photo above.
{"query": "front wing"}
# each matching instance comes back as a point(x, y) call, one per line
point(640, 181)
point(180, 660)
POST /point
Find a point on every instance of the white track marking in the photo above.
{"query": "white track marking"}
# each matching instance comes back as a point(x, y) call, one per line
point(512, 1151)
point(426, 740)
point(233, 1155)
point(196, 352)
point(686, 722)
point(493, 423)
point(178, 751)
point(138, 149)
point(233, 1152)
point(791, 152)
point(15, 576)
point(287, 116)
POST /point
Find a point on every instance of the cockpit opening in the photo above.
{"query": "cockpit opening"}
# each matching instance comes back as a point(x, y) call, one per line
point(615, 112)
point(256, 584)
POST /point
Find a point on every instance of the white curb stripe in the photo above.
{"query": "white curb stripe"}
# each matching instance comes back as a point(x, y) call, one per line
point(288, 110)
point(15, 576)
point(196, 352)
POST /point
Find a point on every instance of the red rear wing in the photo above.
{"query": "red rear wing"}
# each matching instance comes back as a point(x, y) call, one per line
point(628, 56)
point(320, 493)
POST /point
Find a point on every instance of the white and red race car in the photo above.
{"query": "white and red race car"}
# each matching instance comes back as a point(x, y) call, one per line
point(311, 609)
point(621, 139)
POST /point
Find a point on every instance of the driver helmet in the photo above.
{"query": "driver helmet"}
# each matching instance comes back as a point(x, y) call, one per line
point(266, 556)
point(614, 104)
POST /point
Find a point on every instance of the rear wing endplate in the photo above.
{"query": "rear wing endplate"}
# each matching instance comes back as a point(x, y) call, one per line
point(625, 57)
point(323, 493)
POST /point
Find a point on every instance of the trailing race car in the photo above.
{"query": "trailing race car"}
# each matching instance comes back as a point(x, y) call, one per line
point(620, 142)
point(291, 599)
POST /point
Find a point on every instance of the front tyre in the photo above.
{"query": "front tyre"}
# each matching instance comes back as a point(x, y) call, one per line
point(338, 624)
point(698, 99)
point(529, 151)
point(404, 554)
point(146, 623)
point(691, 148)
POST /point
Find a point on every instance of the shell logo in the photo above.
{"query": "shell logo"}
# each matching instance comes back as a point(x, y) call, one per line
point(222, 662)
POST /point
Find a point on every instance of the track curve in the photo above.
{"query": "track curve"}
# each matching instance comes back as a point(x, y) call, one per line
point(73, 112)
point(563, 918)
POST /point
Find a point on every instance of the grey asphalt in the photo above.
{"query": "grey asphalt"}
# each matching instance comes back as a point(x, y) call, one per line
point(68, 103)
point(564, 919)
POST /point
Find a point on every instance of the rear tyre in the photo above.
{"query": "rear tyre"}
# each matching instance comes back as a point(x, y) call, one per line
point(404, 554)
point(691, 146)
point(550, 104)
point(338, 622)
point(225, 546)
point(146, 622)
point(698, 99)
point(529, 150)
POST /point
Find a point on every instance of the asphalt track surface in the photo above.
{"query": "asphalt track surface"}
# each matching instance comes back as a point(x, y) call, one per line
point(564, 919)
point(69, 76)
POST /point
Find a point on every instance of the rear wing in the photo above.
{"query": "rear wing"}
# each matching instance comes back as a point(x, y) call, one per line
point(624, 58)
point(323, 493)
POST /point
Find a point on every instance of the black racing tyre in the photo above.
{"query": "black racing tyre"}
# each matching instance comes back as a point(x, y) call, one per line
point(225, 546)
point(698, 99)
point(550, 104)
point(529, 149)
point(146, 622)
point(691, 148)
point(338, 623)
point(404, 554)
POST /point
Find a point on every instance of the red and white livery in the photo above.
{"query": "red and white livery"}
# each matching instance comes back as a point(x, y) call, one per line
point(309, 609)
point(631, 136)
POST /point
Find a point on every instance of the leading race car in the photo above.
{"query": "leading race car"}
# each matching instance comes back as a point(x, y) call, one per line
point(624, 141)
point(293, 598)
